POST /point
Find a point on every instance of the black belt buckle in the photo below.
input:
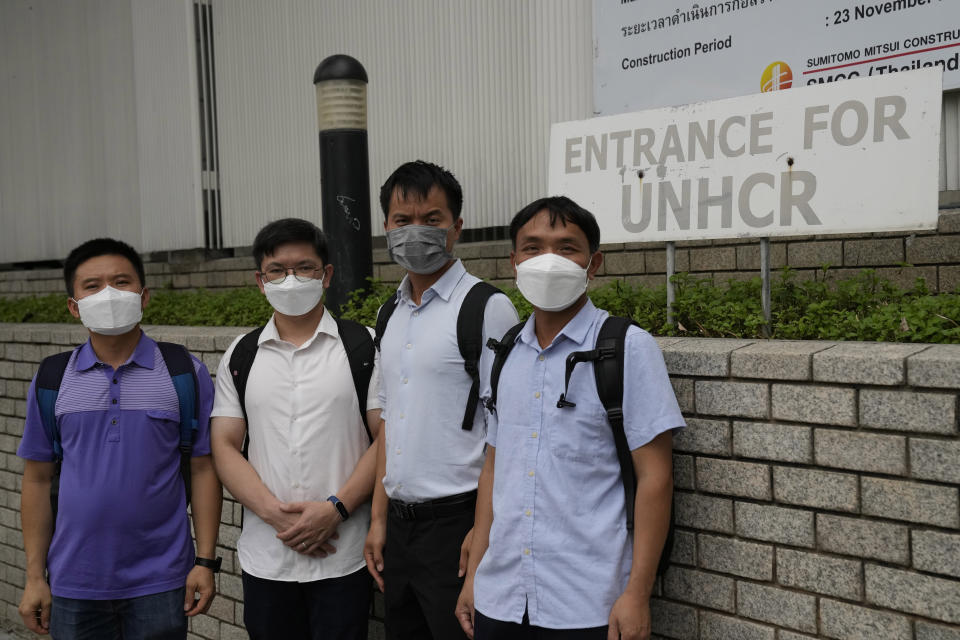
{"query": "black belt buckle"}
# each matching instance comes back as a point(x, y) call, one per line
point(403, 510)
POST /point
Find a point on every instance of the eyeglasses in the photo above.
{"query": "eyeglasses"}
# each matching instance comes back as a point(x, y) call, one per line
point(302, 273)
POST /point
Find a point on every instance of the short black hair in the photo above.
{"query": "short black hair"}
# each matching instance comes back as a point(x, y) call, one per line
point(418, 177)
point(286, 231)
point(100, 247)
point(561, 209)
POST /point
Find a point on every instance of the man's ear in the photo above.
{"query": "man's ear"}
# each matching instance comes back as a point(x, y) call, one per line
point(595, 261)
point(327, 275)
point(73, 308)
point(457, 230)
point(144, 298)
point(259, 279)
point(513, 262)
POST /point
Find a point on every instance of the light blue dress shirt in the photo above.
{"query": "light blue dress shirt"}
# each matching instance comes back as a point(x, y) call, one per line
point(424, 390)
point(559, 547)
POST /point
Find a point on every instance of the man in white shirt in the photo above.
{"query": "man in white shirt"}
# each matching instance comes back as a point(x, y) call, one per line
point(308, 475)
point(431, 453)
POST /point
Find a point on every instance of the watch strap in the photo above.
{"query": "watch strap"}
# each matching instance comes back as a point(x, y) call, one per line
point(341, 509)
point(213, 565)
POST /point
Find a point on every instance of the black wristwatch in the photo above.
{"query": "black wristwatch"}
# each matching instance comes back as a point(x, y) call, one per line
point(341, 509)
point(213, 565)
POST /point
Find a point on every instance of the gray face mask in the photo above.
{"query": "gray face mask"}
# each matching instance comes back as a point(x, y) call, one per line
point(419, 248)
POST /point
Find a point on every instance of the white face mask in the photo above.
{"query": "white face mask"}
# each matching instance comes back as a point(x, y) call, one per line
point(551, 282)
point(110, 311)
point(292, 297)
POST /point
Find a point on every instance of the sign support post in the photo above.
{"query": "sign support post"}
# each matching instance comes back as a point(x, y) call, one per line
point(671, 266)
point(765, 284)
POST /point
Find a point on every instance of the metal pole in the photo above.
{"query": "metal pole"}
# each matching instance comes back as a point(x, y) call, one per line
point(671, 265)
point(765, 286)
point(341, 83)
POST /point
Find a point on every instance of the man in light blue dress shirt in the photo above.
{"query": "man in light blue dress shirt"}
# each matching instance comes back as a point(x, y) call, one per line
point(555, 558)
point(429, 462)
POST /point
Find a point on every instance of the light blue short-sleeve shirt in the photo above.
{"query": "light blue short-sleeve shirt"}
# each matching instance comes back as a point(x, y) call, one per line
point(559, 547)
point(424, 390)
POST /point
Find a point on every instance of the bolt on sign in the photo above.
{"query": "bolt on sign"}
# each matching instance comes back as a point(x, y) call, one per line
point(850, 157)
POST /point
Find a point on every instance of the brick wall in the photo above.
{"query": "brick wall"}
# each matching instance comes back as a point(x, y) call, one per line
point(816, 488)
point(899, 257)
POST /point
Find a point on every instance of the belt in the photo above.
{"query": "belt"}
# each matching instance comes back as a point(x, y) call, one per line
point(432, 509)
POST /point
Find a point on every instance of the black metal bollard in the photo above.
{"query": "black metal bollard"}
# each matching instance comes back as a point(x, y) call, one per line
point(341, 83)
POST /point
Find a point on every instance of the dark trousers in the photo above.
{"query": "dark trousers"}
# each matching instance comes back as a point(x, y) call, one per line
point(332, 609)
point(421, 586)
point(485, 628)
point(158, 616)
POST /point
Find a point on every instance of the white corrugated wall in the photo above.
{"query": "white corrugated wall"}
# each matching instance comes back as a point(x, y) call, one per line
point(950, 143)
point(68, 156)
point(95, 126)
point(165, 75)
point(471, 85)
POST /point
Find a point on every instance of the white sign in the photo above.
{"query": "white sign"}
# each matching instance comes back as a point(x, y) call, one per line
point(654, 54)
point(847, 157)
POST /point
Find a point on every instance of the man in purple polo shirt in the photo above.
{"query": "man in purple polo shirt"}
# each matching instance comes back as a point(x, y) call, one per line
point(120, 560)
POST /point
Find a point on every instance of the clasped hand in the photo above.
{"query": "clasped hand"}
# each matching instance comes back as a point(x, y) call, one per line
point(314, 525)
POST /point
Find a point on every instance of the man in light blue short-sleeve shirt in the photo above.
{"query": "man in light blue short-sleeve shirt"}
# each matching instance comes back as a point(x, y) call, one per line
point(557, 560)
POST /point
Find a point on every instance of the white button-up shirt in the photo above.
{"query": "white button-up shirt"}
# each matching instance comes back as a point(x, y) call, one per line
point(306, 437)
point(424, 390)
point(559, 547)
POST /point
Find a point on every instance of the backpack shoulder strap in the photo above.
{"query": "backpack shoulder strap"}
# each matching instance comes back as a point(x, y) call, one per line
point(383, 317)
point(49, 377)
point(608, 373)
point(358, 344)
point(501, 349)
point(184, 377)
point(241, 360)
point(470, 341)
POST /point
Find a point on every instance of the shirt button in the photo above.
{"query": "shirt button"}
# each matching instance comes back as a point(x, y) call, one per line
point(536, 395)
point(398, 451)
point(114, 421)
point(295, 485)
point(533, 435)
point(530, 473)
point(114, 401)
point(401, 416)
point(409, 346)
point(527, 512)
point(114, 381)
point(404, 381)
point(540, 358)
point(526, 552)
point(416, 313)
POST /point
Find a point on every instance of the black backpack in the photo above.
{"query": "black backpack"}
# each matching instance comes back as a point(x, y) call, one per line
point(469, 338)
point(607, 359)
point(360, 354)
point(180, 367)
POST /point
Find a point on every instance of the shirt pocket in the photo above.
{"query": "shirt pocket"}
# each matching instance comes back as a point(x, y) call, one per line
point(166, 423)
point(582, 435)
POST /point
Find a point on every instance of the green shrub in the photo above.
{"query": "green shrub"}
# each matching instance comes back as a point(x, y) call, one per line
point(245, 307)
point(865, 307)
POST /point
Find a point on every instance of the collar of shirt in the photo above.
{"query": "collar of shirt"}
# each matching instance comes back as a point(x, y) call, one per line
point(143, 355)
point(443, 287)
point(326, 325)
point(576, 330)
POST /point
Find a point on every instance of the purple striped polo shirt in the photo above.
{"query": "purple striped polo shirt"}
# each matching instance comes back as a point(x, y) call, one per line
point(122, 527)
